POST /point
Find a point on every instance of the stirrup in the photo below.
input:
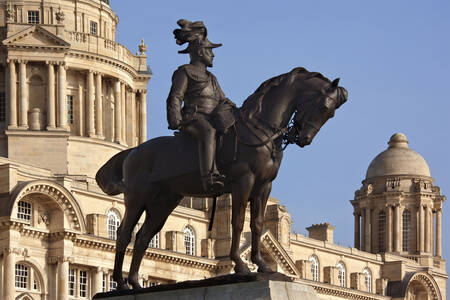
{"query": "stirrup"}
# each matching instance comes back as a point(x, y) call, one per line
point(213, 182)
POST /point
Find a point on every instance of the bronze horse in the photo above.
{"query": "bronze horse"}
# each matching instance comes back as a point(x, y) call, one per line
point(157, 174)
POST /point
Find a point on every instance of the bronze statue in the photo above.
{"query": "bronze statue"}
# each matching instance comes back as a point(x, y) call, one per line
point(156, 175)
point(206, 110)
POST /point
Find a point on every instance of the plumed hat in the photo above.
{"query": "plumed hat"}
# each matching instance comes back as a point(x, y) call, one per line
point(193, 33)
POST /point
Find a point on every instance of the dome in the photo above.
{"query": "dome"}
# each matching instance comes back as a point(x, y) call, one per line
point(398, 159)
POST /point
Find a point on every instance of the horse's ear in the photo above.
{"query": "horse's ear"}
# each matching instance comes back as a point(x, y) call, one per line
point(335, 83)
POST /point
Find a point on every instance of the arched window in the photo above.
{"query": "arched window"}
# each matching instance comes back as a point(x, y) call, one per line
point(25, 278)
point(314, 268)
point(406, 229)
point(189, 240)
point(368, 280)
point(382, 231)
point(341, 274)
point(154, 243)
point(113, 223)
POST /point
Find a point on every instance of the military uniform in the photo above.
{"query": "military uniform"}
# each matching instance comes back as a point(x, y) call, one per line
point(206, 111)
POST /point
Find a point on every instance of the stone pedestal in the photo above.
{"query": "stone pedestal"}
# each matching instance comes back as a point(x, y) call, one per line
point(220, 288)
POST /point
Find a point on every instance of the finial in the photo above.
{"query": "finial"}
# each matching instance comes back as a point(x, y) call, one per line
point(142, 47)
point(398, 140)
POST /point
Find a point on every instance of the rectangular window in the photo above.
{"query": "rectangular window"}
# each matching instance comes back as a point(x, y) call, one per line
point(154, 243)
point(70, 109)
point(83, 284)
point(72, 282)
point(24, 211)
point(112, 284)
point(2, 107)
point(21, 273)
point(93, 28)
point(104, 282)
point(33, 16)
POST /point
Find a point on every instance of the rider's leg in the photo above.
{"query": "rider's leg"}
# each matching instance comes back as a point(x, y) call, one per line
point(205, 134)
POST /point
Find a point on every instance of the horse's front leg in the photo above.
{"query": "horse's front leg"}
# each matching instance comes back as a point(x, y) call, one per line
point(258, 205)
point(241, 190)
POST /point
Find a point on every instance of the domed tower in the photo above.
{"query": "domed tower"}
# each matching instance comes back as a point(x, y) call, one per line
point(70, 95)
point(397, 209)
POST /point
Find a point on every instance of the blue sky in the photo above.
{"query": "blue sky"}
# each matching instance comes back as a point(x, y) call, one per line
point(393, 58)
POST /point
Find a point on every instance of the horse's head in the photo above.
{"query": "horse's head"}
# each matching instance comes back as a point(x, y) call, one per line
point(314, 112)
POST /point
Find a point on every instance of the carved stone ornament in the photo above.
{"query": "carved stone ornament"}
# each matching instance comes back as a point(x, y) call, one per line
point(10, 13)
point(60, 16)
point(142, 47)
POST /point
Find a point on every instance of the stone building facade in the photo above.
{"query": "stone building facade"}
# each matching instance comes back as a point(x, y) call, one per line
point(71, 97)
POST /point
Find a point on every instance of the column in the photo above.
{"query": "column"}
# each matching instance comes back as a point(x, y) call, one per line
point(51, 104)
point(9, 266)
point(123, 97)
point(99, 107)
point(62, 98)
point(23, 101)
point(143, 117)
point(367, 233)
point(397, 229)
point(111, 110)
point(427, 230)
point(133, 119)
point(117, 113)
point(421, 229)
point(81, 110)
point(12, 95)
point(363, 229)
point(439, 232)
point(97, 282)
point(90, 103)
point(357, 231)
point(63, 276)
point(389, 229)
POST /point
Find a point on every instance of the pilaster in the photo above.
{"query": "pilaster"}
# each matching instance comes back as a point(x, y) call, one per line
point(143, 116)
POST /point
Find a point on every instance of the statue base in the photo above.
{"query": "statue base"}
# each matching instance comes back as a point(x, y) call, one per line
point(274, 286)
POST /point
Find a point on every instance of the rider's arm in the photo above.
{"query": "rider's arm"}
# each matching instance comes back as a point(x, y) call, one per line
point(175, 98)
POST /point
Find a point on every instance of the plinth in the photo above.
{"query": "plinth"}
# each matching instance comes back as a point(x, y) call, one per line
point(229, 287)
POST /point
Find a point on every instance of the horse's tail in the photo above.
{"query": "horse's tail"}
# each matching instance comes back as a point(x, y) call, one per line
point(109, 176)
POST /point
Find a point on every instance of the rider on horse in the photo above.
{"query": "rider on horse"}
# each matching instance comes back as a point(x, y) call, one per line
point(206, 111)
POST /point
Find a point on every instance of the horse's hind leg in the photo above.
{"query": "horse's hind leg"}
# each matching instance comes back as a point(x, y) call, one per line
point(258, 205)
point(240, 191)
point(133, 212)
point(157, 213)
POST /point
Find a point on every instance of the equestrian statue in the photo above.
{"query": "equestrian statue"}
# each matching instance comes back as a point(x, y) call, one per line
point(218, 148)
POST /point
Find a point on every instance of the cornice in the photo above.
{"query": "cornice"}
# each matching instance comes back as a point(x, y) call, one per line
point(337, 291)
point(151, 253)
point(108, 60)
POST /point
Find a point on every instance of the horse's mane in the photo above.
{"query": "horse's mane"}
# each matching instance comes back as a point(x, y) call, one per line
point(252, 105)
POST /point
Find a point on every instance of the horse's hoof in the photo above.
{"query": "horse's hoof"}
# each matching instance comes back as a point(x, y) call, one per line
point(122, 287)
point(265, 269)
point(135, 284)
point(242, 269)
